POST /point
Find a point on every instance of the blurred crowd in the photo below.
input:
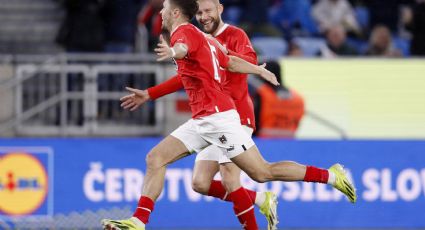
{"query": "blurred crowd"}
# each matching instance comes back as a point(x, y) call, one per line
point(327, 28)
point(296, 28)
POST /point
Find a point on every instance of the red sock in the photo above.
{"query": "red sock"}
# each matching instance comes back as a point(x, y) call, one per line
point(244, 209)
point(217, 190)
point(144, 209)
point(252, 195)
point(314, 174)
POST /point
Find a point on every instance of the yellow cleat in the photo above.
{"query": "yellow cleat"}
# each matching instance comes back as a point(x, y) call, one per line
point(128, 224)
point(268, 209)
point(342, 183)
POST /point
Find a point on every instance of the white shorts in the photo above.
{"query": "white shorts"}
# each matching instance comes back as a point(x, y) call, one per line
point(222, 130)
point(213, 153)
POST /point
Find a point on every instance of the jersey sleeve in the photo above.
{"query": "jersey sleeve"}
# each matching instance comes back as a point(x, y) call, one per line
point(185, 37)
point(242, 47)
point(167, 87)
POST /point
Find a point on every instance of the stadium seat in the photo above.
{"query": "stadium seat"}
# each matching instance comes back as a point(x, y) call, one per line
point(293, 13)
point(358, 44)
point(232, 15)
point(309, 46)
point(402, 44)
point(270, 47)
point(362, 15)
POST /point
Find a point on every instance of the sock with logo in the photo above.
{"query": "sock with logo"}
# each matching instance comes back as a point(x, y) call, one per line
point(144, 209)
point(244, 209)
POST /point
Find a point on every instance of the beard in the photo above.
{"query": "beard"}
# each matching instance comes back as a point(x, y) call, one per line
point(166, 35)
point(164, 28)
point(166, 24)
point(212, 27)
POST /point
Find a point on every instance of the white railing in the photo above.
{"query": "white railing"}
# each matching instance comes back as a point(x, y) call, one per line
point(78, 95)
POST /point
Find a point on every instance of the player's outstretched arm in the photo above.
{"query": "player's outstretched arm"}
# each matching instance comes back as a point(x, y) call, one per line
point(139, 97)
point(164, 51)
point(239, 65)
point(135, 99)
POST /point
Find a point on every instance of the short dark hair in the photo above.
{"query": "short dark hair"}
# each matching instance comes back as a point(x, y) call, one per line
point(188, 7)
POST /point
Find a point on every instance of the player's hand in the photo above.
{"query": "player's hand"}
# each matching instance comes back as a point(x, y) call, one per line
point(267, 75)
point(135, 99)
point(163, 50)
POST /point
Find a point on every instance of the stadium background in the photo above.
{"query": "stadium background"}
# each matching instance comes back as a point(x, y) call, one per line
point(69, 156)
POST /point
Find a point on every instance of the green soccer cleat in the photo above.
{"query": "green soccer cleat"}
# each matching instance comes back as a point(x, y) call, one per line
point(268, 209)
point(128, 224)
point(342, 183)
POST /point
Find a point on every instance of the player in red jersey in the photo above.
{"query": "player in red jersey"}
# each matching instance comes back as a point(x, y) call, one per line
point(210, 160)
point(233, 41)
point(214, 118)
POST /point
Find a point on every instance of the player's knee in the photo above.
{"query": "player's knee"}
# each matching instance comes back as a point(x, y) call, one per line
point(153, 160)
point(200, 185)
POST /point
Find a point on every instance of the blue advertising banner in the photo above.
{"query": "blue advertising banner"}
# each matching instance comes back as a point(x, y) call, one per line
point(26, 181)
point(48, 177)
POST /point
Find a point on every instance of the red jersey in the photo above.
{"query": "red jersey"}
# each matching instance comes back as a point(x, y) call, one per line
point(199, 72)
point(235, 84)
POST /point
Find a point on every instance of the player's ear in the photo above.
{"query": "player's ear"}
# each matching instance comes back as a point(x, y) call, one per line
point(220, 8)
point(176, 13)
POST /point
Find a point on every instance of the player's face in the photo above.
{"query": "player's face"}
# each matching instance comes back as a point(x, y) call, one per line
point(166, 16)
point(209, 16)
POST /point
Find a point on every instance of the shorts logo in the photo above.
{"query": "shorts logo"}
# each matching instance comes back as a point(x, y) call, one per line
point(223, 139)
point(24, 183)
point(232, 147)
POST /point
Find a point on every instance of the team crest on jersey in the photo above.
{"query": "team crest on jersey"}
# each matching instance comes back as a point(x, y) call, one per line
point(223, 139)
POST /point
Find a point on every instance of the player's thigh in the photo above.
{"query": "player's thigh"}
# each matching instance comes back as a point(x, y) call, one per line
point(167, 151)
point(253, 163)
point(205, 170)
point(180, 143)
point(188, 135)
point(206, 167)
point(203, 174)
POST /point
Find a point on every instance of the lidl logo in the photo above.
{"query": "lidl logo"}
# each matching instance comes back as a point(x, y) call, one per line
point(24, 182)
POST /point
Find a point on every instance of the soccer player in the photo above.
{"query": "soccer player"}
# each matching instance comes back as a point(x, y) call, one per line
point(210, 160)
point(243, 199)
point(214, 118)
point(232, 41)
